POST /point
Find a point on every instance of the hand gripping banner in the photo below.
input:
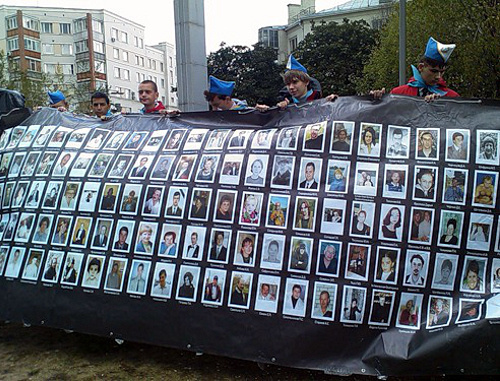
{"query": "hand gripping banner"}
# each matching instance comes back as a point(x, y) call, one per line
point(350, 237)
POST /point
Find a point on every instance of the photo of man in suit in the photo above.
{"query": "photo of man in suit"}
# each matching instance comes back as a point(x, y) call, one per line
point(175, 209)
point(101, 239)
point(122, 244)
point(140, 170)
point(218, 251)
point(309, 182)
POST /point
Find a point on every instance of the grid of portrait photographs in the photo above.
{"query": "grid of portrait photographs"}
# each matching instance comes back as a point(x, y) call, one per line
point(336, 221)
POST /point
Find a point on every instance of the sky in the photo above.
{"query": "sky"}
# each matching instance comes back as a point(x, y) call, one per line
point(236, 22)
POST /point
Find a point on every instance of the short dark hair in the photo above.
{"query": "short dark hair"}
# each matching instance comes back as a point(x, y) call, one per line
point(432, 62)
point(446, 264)
point(417, 256)
point(148, 81)
point(99, 95)
point(292, 75)
point(124, 229)
point(209, 97)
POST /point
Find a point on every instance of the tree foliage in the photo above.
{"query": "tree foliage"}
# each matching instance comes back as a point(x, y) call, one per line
point(255, 71)
point(336, 53)
point(473, 25)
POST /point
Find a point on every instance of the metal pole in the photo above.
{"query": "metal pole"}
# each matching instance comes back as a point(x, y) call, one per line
point(191, 54)
point(402, 42)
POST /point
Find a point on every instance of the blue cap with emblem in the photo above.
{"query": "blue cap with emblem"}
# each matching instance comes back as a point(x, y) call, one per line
point(293, 64)
point(438, 51)
point(56, 96)
point(218, 86)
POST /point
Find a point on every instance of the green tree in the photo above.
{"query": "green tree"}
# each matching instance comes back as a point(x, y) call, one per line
point(473, 25)
point(335, 54)
point(255, 71)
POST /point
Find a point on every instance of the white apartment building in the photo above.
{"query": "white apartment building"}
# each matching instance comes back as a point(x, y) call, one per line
point(96, 49)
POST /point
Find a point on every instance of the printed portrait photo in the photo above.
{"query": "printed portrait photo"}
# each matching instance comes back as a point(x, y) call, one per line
point(153, 201)
point(300, 254)
point(72, 269)
point(278, 211)
point(333, 216)
point(497, 241)
point(102, 230)
point(325, 295)
point(409, 312)
point(288, 138)
point(398, 142)
point(314, 136)
point(155, 141)
point(7, 196)
point(138, 277)
point(445, 269)
point(43, 136)
point(61, 168)
point(240, 288)
point(46, 163)
point(485, 189)
point(30, 164)
point(70, 195)
point(16, 136)
point(439, 311)
point(310, 174)
point(473, 275)
point(246, 247)
point(366, 179)
point(100, 165)
point(81, 231)
point(81, 164)
point(239, 139)
point(357, 261)
point(169, 240)
point(282, 175)
point(77, 137)
point(123, 236)
point(195, 139)
point(59, 136)
point(27, 139)
point(217, 139)
point(42, 228)
point(455, 186)
point(495, 275)
point(4, 164)
point(141, 167)
point(342, 138)
point(425, 182)
point(487, 147)
point(469, 310)
point(225, 205)
point(90, 193)
point(9, 232)
point(214, 283)
point(305, 213)
point(161, 170)
point(381, 307)
point(184, 168)
point(33, 263)
point(175, 139)
point(13, 265)
point(370, 138)
point(362, 217)
point(272, 254)
point(353, 305)
point(108, 198)
point(176, 202)
point(21, 192)
point(146, 238)
point(256, 170)
point(61, 232)
point(4, 251)
point(387, 265)
point(53, 265)
point(329, 258)
point(267, 293)
point(457, 145)
point(450, 228)
point(262, 139)
point(231, 169)
point(295, 300)
point(421, 227)
point(200, 204)
point(194, 243)
point(26, 224)
point(17, 164)
point(115, 275)
point(220, 241)
point(338, 176)
point(395, 181)
point(427, 144)
point(163, 280)
point(135, 140)
point(391, 224)
point(120, 166)
point(207, 168)
point(251, 208)
point(187, 284)
point(116, 140)
point(416, 268)
point(97, 139)
point(479, 233)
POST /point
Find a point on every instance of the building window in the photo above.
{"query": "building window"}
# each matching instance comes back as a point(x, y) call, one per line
point(162, 67)
point(13, 44)
point(170, 62)
point(81, 46)
point(97, 26)
point(30, 44)
point(30, 23)
point(66, 49)
point(47, 27)
point(136, 41)
point(141, 43)
point(49, 68)
point(126, 93)
point(126, 74)
point(117, 72)
point(98, 47)
point(82, 66)
point(150, 78)
point(125, 56)
point(137, 60)
point(33, 65)
point(64, 28)
point(149, 63)
point(138, 77)
point(47, 48)
point(293, 44)
point(162, 83)
point(171, 76)
point(124, 37)
point(68, 69)
point(153, 64)
point(12, 23)
point(163, 99)
point(80, 25)
point(114, 33)
point(142, 61)
point(100, 66)
point(116, 53)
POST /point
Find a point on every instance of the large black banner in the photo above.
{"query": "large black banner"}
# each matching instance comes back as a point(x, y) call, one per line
point(351, 237)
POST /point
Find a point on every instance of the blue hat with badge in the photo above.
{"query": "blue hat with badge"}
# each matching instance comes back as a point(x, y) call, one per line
point(293, 64)
point(438, 51)
point(56, 96)
point(220, 87)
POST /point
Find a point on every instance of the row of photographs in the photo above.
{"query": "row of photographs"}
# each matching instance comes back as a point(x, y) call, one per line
point(371, 137)
point(389, 266)
point(338, 177)
point(213, 287)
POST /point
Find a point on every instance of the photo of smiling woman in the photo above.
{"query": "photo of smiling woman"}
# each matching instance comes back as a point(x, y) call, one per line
point(392, 222)
point(145, 238)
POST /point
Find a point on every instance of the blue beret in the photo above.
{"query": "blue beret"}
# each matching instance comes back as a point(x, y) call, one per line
point(438, 51)
point(56, 96)
point(220, 87)
point(293, 64)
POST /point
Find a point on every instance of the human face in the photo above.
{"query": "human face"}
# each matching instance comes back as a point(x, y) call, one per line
point(103, 230)
point(93, 271)
point(309, 172)
point(143, 162)
point(439, 306)
point(169, 239)
point(122, 237)
point(99, 107)
point(247, 249)
point(427, 141)
point(146, 236)
point(396, 139)
point(314, 132)
point(156, 195)
point(139, 271)
point(338, 175)
point(163, 278)
point(297, 88)
point(394, 218)
point(361, 217)
point(43, 226)
point(368, 138)
point(472, 279)
point(115, 268)
point(450, 229)
point(62, 228)
point(426, 182)
point(175, 200)
point(427, 216)
point(272, 251)
point(64, 160)
point(329, 252)
point(208, 165)
point(251, 205)
point(386, 264)
point(445, 274)
point(296, 292)
point(194, 238)
point(147, 95)
point(324, 301)
point(224, 207)
point(342, 135)
point(264, 290)
point(395, 177)
point(458, 140)
point(304, 209)
point(416, 266)
point(241, 284)
point(278, 206)
point(219, 239)
point(454, 183)
point(256, 167)
point(431, 74)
